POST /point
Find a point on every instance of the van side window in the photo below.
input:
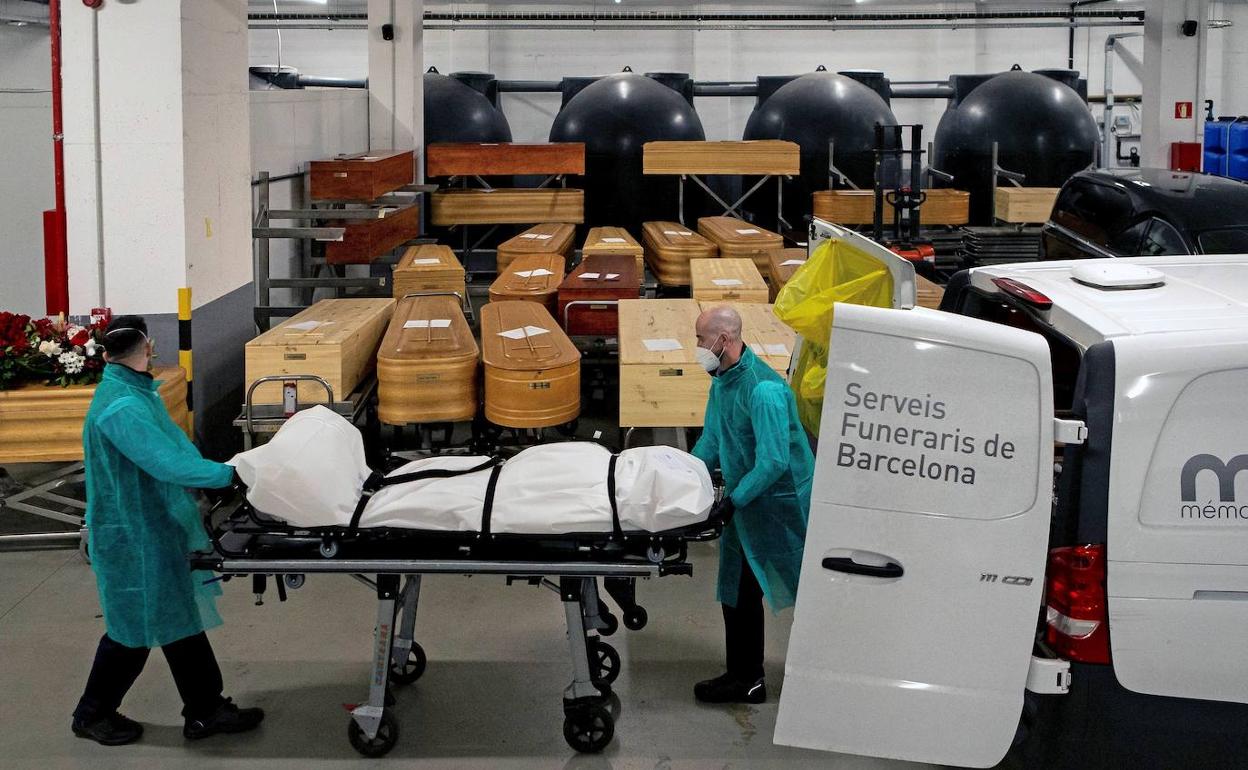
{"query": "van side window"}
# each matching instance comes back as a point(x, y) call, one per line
point(1095, 211)
point(1162, 240)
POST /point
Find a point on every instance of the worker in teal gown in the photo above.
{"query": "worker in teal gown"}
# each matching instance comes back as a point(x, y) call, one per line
point(752, 435)
point(142, 522)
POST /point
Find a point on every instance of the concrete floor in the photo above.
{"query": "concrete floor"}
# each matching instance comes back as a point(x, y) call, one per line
point(491, 695)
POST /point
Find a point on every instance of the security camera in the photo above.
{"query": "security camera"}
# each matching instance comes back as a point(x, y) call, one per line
point(1189, 28)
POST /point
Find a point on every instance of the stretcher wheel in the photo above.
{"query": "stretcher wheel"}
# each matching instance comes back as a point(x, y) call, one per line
point(588, 729)
point(606, 661)
point(329, 548)
point(295, 582)
point(655, 554)
point(380, 745)
point(411, 669)
point(636, 619)
point(610, 623)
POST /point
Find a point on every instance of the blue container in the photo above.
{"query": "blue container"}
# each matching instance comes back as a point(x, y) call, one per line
point(1217, 145)
point(1237, 150)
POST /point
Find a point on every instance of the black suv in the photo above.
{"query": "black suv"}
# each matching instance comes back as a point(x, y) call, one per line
point(1146, 212)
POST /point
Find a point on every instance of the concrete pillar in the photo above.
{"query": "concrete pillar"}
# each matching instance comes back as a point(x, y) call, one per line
point(1174, 66)
point(158, 163)
point(395, 82)
point(1234, 96)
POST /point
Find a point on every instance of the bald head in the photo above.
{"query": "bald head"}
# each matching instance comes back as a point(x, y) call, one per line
point(718, 321)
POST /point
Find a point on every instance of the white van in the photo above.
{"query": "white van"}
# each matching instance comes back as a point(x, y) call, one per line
point(955, 558)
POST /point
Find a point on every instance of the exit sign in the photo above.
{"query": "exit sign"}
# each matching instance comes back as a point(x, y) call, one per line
point(1183, 110)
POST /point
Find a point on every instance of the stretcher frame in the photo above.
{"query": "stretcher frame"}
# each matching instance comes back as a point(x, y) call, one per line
point(572, 570)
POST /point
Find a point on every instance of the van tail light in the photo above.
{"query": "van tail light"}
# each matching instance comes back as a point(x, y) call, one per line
point(1076, 609)
point(1021, 291)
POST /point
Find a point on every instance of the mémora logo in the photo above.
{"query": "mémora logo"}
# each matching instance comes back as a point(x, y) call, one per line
point(1226, 472)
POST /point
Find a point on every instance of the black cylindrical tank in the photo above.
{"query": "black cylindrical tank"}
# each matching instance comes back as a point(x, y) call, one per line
point(812, 110)
point(614, 116)
point(1041, 126)
point(457, 112)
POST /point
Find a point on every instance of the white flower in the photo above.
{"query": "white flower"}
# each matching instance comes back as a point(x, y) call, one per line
point(72, 362)
point(90, 348)
point(72, 331)
point(50, 348)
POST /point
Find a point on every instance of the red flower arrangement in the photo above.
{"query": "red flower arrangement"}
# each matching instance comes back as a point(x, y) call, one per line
point(54, 352)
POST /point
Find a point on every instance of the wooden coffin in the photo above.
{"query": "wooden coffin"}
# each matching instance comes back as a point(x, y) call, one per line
point(43, 423)
point(735, 238)
point(366, 239)
point(781, 265)
point(760, 156)
point(429, 267)
point(929, 294)
point(769, 337)
point(727, 280)
point(507, 206)
point(601, 280)
point(335, 339)
point(531, 278)
point(361, 176)
point(857, 207)
point(547, 238)
point(668, 248)
point(1025, 205)
point(613, 240)
point(504, 159)
point(427, 364)
point(532, 369)
point(661, 382)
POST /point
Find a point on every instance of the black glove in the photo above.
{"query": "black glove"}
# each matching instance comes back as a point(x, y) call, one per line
point(724, 509)
point(226, 493)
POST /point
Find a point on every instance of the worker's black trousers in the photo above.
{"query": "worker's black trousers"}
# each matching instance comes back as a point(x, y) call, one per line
point(191, 660)
point(743, 629)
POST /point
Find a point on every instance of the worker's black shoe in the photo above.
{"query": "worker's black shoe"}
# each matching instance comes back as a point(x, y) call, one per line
point(228, 718)
point(728, 689)
point(111, 730)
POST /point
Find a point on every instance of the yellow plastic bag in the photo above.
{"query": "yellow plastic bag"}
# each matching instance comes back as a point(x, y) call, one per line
point(836, 272)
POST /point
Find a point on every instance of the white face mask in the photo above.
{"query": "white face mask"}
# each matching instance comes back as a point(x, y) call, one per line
point(708, 358)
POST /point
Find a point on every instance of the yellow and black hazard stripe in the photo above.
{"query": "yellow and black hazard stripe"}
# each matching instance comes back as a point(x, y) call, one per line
point(184, 350)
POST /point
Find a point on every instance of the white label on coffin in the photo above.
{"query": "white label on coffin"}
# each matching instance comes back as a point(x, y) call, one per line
point(436, 323)
point(543, 237)
point(307, 326)
point(726, 281)
point(427, 261)
point(677, 232)
point(612, 276)
point(748, 231)
point(662, 345)
point(519, 334)
point(590, 276)
point(534, 273)
point(614, 240)
point(789, 262)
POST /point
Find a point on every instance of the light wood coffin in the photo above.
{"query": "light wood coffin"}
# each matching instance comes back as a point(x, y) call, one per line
point(727, 280)
point(504, 159)
point(760, 156)
point(668, 248)
point(736, 238)
point(363, 240)
point(601, 280)
point(546, 238)
point(857, 207)
point(1025, 205)
point(531, 278)
point(532, 369)
point(427, 364)
point(661, 382)
point(781, 265)
point(929, 294)
point(43, 423)
point(361, 176)
point(428, 267)
point(769, 337)
point(507, 206)
point(335, 339)
point(613, 240)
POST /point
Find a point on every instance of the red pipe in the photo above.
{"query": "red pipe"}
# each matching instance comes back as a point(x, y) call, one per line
point(55, 248)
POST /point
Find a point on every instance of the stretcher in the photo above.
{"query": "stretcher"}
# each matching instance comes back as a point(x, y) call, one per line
point(248, 542)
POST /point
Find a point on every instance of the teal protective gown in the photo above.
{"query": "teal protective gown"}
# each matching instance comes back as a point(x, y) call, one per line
point(753, 435)
point(141, 519)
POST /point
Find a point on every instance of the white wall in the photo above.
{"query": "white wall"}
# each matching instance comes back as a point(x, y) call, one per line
point(26, 174)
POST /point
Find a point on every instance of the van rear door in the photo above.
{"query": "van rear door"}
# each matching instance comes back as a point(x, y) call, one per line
point(1177, 530)
point(921, 579)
